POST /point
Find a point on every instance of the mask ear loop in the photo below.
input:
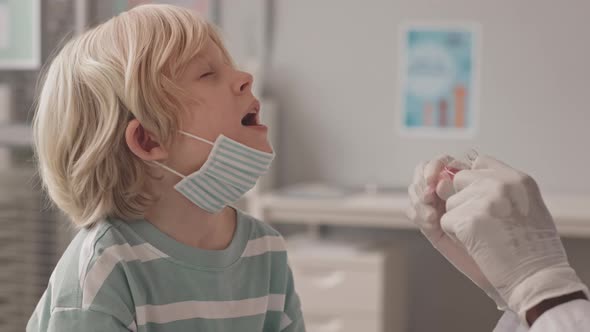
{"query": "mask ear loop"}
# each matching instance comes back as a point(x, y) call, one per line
point(168, 169)
point(189, 135)
point(196, 137)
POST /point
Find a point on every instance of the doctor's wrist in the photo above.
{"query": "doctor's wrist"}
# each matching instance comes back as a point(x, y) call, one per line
point(535, 312)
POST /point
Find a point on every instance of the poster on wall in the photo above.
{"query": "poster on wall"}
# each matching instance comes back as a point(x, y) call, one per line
point(204, 7)
point(20, 28)
point(439, 80)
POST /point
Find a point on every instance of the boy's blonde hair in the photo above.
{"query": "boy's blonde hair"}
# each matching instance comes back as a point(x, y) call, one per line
point(124, 68)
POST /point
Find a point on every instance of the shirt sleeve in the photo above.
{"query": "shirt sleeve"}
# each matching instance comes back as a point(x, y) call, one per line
point(84, 320)
point(292, 318)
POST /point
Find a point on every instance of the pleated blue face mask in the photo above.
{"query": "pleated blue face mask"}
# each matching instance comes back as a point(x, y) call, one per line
point(231, 170)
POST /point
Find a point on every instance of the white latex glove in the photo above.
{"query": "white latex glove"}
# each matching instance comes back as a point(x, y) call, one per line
point(426, 210)
point(499, 216)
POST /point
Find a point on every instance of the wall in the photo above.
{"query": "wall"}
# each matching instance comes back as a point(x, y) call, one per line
point(334, 71)
point(335, 76)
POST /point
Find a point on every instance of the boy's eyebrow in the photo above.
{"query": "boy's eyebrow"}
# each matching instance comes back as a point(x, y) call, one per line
point(193, 67)
point(203, 60)
point(199, 62)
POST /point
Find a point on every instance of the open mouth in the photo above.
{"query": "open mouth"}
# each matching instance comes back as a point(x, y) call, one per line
point(251, 119)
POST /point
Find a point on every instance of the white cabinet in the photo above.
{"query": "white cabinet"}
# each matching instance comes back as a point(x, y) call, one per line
point(344, 287)
point(341, 323)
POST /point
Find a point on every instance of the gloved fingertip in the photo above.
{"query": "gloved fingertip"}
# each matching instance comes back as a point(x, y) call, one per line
point(411, 213)
point(485, 161)
point(419, 172)
point(429, 196)
point(430, 215)
point(445, 188)
point(432, 171)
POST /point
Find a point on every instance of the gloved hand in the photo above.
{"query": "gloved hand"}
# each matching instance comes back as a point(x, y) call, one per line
point(426, 210)
point(499, 216)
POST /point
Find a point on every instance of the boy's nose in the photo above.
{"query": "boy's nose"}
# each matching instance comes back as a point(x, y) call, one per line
point(243, 83)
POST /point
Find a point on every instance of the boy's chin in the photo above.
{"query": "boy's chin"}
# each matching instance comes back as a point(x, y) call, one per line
point(264, 146)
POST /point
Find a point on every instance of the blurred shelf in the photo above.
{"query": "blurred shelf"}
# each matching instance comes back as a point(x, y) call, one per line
point(16, 135)
point(571, 212)
point(362, 210)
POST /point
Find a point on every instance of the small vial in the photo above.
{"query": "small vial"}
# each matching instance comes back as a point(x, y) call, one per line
point(444, 189)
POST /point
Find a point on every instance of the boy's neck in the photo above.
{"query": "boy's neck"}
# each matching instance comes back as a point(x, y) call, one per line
point(190, 225)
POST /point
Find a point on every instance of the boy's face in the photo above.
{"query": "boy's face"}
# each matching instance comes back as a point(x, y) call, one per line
point(221, 99)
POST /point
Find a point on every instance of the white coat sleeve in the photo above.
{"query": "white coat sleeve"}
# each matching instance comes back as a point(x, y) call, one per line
point(573, 316)
point(509, 322)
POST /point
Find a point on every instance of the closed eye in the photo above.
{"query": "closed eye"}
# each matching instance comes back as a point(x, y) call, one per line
point(209, 73)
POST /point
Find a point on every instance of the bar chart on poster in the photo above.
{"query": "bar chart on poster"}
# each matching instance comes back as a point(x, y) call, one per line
point(438, 79)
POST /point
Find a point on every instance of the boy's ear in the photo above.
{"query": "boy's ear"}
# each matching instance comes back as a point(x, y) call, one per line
point(142, 143)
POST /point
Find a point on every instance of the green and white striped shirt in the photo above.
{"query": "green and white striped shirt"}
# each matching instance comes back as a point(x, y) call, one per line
point(129, 276)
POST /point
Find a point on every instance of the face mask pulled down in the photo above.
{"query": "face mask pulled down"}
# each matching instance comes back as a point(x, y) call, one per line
point(230, 171)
